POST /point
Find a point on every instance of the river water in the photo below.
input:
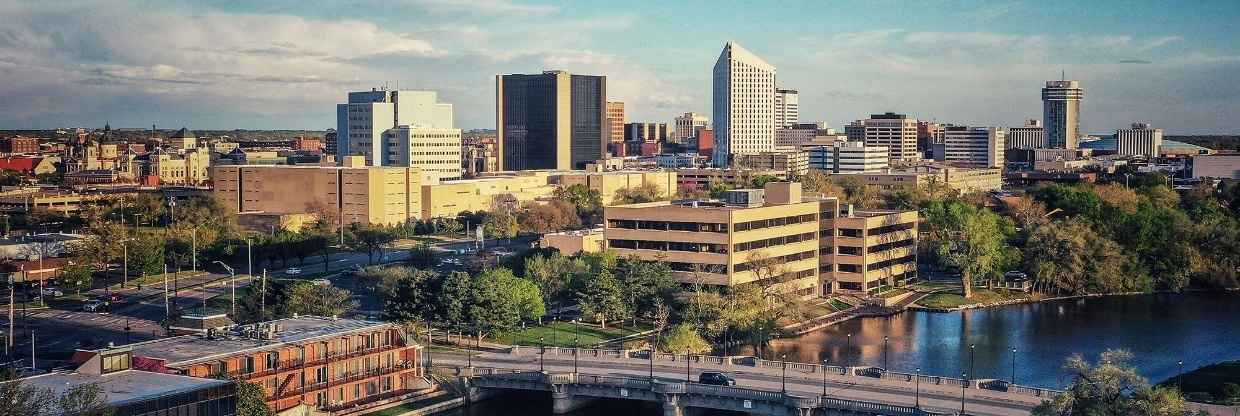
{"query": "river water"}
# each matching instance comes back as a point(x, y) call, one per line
point(1198, 328)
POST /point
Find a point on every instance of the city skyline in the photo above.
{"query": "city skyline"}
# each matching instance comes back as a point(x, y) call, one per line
point(223, 65)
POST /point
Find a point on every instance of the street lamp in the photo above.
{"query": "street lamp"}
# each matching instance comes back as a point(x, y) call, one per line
point(1013, 365)
point(783, 376)
point(824, 378)
point(687, 367)
point(848, 351)
point(652, 352)
point(574, 355)
point(884, 353)
point(963, 383)
point(972, 348)
point(469, 356)
point(542, 351)
point(917, 391)
point(232, 281)
point(575, 321)
point(430, 344)
point(1179, 380)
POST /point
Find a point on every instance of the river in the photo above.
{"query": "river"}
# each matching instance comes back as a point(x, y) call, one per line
point(1198, 328)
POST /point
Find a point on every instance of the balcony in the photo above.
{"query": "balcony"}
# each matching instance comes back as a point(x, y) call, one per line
point(347, 378)
point(289, 365)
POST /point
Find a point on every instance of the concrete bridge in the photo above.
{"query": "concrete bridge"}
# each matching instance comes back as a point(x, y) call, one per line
point(770, 388)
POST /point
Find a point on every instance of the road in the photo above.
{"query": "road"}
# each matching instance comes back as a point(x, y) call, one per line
point(57, 332)
point(930, 397)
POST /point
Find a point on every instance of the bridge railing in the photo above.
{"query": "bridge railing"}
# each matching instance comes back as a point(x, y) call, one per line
point(723, 361)
point(873, 408)
point(734, 392)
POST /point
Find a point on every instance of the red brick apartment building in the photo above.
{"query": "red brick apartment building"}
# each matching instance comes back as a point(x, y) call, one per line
point(338, 366)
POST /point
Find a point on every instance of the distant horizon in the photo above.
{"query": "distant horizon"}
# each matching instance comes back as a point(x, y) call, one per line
point(286, 63)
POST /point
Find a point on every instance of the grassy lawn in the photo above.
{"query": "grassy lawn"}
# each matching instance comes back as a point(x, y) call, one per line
point(947, 300)
point(933, 285)
point(892, 293)
point(561, 334)
point(820, 309)
point(839, 305)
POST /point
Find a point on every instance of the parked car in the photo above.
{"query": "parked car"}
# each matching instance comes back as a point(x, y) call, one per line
point(321, 282)
point(95, 305)
point(113, 297)
point(292, 270)
point(716, 378)
point(52, 292)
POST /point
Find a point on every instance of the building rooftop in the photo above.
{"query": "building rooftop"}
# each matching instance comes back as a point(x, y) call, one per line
point(191, 349)
point(123, 387)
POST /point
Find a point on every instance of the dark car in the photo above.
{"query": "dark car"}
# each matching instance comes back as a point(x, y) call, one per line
point(718, 379)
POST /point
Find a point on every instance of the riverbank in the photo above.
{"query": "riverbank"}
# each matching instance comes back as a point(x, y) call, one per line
point(1217, 383)
point(1034, 298)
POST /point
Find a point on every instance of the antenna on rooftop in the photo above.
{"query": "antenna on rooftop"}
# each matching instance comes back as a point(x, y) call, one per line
point(1063, 75)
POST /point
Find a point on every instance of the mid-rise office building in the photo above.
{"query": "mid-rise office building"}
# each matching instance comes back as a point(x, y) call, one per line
point(795, 163)
point(687, 126)
point(848, 157)
point(810, 246)
point(645, 132)
point(329, 364)
point(435, 152)
point(964, 180)
point(1031, 136)
point(1061, 111)
point(704, 178)
point(616, 119)
point(929, 134)
point(363, 120)
point(743, 104)
point(791, 138)
point(1140, 140)
point(973, 146)
point(352, 193)
point(787, 110)
point(896, 132)
point(552, 120)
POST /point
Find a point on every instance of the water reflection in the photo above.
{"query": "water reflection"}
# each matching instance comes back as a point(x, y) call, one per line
point(1198, 328)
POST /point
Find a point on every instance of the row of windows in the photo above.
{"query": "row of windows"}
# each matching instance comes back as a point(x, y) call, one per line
point(746, 266)
point(669, 246)
point(891, 262)
point(668, 226)
point(776, 241)
point(775, 222)
point(892, 245)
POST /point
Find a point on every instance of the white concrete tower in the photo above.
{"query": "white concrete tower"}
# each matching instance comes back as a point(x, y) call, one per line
point(743, 104)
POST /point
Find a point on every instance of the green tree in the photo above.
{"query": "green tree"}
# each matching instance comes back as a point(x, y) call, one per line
point(760, 181)
point(1071, 257)
point(318, 300)
point(601, 297)
point(645, 282)
point(1111, 386)
point(547, 218)
point(77, 275)
point(553, 274)
point(252, 400)
point(20, 399)
point(646, 192)
point(588, 202)
point(422, 257)
point(500, 224)
point(683, 339)
point(370, 239)
point(969, 239)
point(10, 177)
point(146, 255)
point(84, 400)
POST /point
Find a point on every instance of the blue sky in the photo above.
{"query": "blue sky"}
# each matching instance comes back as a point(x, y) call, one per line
point(284, 63)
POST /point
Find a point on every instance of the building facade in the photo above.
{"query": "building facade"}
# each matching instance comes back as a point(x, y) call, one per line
point(787, 108)
point(362, 121)
point(1221, 166)
point(973, 146)
point(1140, 140)
point(792, 137)
point(794, 163)
point(896, 132)
point(353, 193)
point(189, 168)
point(616, 119)
point(435, 152)
point(848, 157)
point(704, 178)
point(687, 125)
point(329, 364)
point(743, 104)
point(19, 144)
point(963, 180)
point(1031, 136)
point(866, 250)
point(1061, 111)
point(552, 120)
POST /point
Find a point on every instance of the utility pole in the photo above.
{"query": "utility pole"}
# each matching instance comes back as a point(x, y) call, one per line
point(32, 363)
point(262, 309)
point(194, 250)
point(125, 270)
point(249, 259)
point(167, 309)
point(10, 340)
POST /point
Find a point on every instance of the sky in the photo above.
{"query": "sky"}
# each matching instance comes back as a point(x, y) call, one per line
point(283, 64)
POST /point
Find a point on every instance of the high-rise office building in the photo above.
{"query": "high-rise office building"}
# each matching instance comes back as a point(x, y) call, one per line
point(687, 125)
point(743, 104)
point(1061, 111)
point(1031, 136)
point(1140, 140)
point(973, 146)
point(896, 132)
point(552, 120)
point(790, 138)
point(848, 157)
point(437, 152)
point(616, 120)
point(786, 111)
point(929, 133)
point(361, 122)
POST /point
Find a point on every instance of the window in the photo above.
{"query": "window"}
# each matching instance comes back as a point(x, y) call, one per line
point(115, 362)
point(849, 268)
point(273, 360)
point(248, 366)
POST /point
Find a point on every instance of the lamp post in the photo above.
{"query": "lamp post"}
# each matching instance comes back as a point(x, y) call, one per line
point(783, 375)
point(1179, 380)
point(963, 383)
point(884, 353)
point(917, 391)
point(686, 367)
point(542, 350)
point(824, 378)
point(574, 355)
point(972, 348)
point(232, 281)
point(575, 321)
point(1013, 365)
point(848, 351)
point(652, 352)
point(430, 343)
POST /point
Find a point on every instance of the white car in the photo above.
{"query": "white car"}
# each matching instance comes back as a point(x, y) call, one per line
point(94, 306)
point(52, 292)
point(321, 282)
point(292, 270)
